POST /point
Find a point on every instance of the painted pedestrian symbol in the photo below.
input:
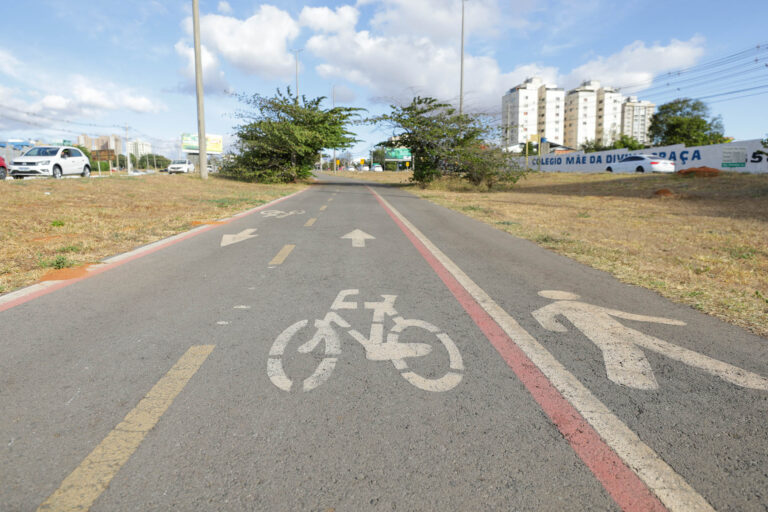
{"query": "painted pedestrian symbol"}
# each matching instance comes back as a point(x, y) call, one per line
point(622, 347)
point(376, 349)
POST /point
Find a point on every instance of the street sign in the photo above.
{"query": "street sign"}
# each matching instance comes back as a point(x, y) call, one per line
point(400, 154)
point(103, 155)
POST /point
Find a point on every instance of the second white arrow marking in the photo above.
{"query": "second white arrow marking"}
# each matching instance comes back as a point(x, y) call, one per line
point(358, 237)
point(239, 237)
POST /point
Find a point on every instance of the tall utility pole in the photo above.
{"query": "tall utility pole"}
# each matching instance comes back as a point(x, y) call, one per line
point(127, 152)
point(296, 52)
point(333, 105)
point(203, 160)
point(461, 79)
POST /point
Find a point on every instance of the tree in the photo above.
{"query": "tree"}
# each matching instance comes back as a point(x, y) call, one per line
point(625, 141)
point(283, 137)
point(379, 155)
point(590, 146)
point(151, 160)
point(685, 121)
point(445, 142)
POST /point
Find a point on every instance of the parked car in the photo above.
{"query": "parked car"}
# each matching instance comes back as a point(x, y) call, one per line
point(181, 166)
point(55, 161)
point(642, 163)
point(377, 168)
point(3, 169)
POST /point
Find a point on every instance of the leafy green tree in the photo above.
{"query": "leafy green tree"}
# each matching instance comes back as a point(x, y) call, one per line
point(379, 155)
point(590, 146)
point(626, 141)
point(444, 142)
point(282, 138)
point(151, 160)
point(685, 121)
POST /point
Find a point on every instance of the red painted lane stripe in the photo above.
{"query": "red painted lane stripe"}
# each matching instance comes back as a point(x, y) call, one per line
point(623, 485)
point(138, 253)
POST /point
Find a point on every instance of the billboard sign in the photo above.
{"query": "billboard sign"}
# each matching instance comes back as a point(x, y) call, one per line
point(398, 154)
point(214, 144)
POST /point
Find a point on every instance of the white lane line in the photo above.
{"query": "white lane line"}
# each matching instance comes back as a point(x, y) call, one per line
point(674, 492)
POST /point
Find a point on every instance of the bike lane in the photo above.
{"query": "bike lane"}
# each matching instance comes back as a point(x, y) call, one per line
point(703, 421)
point(366, 438)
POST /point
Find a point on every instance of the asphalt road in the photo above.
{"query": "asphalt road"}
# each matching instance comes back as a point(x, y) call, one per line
point(434, 364)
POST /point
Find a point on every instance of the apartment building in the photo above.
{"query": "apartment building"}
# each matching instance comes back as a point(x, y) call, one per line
point(139, 148)
point(551, 112)
point(112, 142)
point(519, 112)
point(609, 115)
point(581, 114)
point(636, 118)
point(86, 141)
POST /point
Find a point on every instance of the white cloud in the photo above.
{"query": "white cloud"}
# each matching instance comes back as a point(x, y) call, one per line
point(637, 63)
point(9, 65)
point(257, 45)
point(224, 7)
point(323, 19)
point(213, 78)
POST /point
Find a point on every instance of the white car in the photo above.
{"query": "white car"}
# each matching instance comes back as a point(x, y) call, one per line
point(642, 163)
point(377, 168)
point(54, 161)
point(181, 166)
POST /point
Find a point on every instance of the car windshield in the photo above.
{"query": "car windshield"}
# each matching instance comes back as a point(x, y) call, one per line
point(178, 162)
point(42, 152)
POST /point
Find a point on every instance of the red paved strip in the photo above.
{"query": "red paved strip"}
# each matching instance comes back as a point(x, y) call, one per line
point(139, 253)
point(621, 483)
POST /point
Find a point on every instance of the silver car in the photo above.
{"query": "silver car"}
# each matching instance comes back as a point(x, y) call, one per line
point(54, 161)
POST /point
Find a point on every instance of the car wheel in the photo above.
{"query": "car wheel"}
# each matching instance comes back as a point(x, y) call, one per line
point(86, 172)
point(640, 169)
point(3, 173)
point(56, 172)
point(609, 169)
point(18, 177)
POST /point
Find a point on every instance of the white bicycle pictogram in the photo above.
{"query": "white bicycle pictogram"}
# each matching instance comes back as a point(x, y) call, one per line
point(376, 349)
point(279, 214)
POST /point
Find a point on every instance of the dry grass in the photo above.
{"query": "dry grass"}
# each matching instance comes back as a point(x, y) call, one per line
point(702, 243)
point(54, 224)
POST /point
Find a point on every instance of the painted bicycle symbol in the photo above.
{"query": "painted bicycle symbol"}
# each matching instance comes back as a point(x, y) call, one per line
point(279, 214)
point(376, 349)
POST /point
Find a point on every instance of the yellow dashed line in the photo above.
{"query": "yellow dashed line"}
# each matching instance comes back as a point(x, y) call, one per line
point(310, 222)
point(86, 483)
point(322, 208)
point(284, 252)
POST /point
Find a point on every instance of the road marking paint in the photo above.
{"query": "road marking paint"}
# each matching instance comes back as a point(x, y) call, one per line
point(238, 237)
point(330, 199)
point(626, 467)
point(310, 222)
point(222, 322)
point(625, 361)
point(280, 257)
point(242, 307)
point(36, 290)
point(358, 237)
point(85, 484)
point(322, 208)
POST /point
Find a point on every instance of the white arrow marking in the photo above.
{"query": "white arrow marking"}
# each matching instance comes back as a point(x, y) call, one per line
point(239, 237)
point(358, 237)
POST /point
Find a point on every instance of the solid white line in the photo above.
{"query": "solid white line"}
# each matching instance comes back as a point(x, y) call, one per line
point(673, 491)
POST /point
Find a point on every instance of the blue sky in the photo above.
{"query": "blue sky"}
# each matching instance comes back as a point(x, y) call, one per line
point(89, 67)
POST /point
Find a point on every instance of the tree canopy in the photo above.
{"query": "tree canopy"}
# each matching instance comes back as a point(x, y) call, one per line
point(685, 121)
point(445, 142)
point(282, 137)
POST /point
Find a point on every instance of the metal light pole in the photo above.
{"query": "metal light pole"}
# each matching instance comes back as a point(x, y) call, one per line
point(297, 51)
point(203, 160)
point(461, 79)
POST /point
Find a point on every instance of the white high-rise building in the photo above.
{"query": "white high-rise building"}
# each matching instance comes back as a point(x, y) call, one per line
point(581, 114)
point(609, 109)
point(139, 148)
point(551, 111)
point(636, 119)
point(519, 112)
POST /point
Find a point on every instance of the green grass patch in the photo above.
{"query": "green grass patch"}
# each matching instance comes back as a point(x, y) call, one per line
point(69, 249)
point(58, 262)
point(741, 252)
point(57, 223)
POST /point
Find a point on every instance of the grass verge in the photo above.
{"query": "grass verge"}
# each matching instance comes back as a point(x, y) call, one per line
point(57, 224)
point(703, 242)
